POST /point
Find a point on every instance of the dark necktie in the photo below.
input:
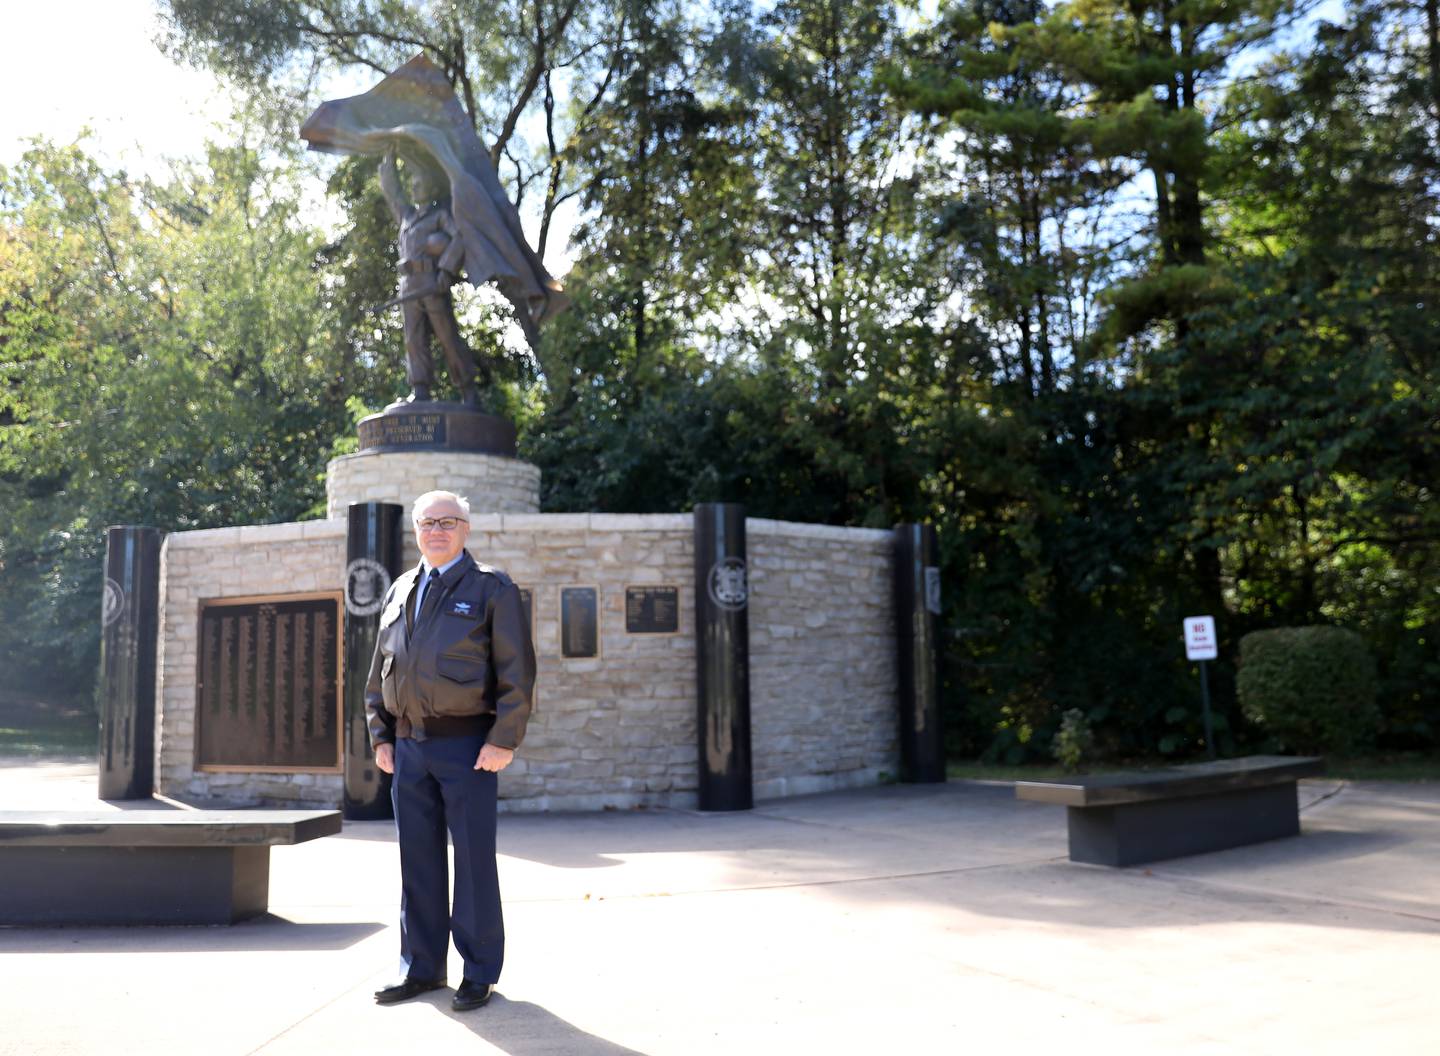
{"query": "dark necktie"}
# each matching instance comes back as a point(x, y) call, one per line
point(430, 601)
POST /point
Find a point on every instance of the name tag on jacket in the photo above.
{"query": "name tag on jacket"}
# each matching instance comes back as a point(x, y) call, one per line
point(461, 607)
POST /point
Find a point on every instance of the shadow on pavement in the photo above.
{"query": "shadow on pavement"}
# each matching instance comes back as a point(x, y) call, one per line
point(521, 1028)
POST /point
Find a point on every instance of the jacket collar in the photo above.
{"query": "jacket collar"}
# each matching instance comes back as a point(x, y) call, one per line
point(453, 574)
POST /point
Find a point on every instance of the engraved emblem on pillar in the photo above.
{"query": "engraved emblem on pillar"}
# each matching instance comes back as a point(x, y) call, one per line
point(112, 602)
point(729, 586)
point(366, 581)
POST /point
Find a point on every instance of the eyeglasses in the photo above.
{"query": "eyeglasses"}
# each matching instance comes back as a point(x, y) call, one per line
point(444, 524)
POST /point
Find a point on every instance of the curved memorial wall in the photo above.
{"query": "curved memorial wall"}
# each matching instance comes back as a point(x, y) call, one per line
point(611, 598)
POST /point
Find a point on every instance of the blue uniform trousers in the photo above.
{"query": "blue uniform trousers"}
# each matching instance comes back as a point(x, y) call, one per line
point(436, 786)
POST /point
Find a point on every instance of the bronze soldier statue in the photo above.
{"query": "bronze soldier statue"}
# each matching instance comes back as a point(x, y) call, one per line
point(458, 224)
point(432, 258)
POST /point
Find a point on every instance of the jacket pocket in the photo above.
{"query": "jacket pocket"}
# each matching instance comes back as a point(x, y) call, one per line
point(461, 669)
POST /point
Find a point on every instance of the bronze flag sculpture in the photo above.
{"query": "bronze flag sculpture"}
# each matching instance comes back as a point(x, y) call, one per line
point(458, 221)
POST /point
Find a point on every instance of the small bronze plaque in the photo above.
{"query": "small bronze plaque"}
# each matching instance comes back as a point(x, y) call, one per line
point(579, 622)
point(269, 684)
point(652, 610)
point(403, 430)
point(527, 598)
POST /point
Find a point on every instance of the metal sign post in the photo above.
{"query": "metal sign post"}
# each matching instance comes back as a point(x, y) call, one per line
point(1202, 646)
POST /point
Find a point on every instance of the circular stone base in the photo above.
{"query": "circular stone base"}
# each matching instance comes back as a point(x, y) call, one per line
point(436, 426)
point(492, 483)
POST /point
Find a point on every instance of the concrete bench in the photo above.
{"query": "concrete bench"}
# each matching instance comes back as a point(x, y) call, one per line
point(1147, 816)
point(145, 866)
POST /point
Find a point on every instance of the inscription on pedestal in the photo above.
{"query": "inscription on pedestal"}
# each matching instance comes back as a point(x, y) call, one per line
point(579, 622)
point(269, 684)
point(652, 610)
point(437, 426)
point(403, 430)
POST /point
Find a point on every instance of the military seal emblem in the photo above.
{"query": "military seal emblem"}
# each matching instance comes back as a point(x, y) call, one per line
point(729, 585)
point(112, 602)
point(366, 582)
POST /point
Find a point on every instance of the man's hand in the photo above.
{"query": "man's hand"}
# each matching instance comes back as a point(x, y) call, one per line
point(385, 757)
point(493, 758)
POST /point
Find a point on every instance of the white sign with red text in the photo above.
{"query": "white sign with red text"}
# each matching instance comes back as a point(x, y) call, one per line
point(1200, 641)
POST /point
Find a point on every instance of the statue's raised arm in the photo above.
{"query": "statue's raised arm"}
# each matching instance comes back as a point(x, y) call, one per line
point(390, 185)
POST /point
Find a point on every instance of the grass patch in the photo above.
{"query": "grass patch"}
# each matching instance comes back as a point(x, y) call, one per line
point(971, 771)
point(1395, 766)
point(30, 728)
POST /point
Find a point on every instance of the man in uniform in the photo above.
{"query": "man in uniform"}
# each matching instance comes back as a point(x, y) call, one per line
point(448, 698)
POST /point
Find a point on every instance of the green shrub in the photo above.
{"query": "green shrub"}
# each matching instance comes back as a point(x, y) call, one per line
point(1073, 741)
point(1312, 689)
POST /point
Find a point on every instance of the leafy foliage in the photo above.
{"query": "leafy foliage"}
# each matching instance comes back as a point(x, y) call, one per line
point(1312, 689)
point(165, 359)
point(1073, 741)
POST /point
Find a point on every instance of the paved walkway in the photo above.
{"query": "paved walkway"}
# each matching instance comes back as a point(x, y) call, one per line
point(929, 919)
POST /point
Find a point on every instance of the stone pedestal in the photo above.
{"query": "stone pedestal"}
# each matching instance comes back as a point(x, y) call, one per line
point(411, 448)
point(492, 483)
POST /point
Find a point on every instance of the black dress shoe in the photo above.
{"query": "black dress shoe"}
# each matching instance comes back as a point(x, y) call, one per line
point(406, 989)
point(471, 995)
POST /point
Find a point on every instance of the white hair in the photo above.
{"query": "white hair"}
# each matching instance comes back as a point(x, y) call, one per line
point(439, 496)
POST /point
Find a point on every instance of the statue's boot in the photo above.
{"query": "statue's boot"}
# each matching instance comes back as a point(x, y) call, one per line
point(420, 394)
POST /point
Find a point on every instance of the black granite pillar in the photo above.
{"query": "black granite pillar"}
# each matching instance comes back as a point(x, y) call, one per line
point(372, 560)
point(722, 638)
point(129, 622)
point(917, 608)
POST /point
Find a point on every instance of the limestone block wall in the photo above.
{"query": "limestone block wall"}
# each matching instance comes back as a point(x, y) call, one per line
point(823, 674)
point(492, 483)
point(617, 730)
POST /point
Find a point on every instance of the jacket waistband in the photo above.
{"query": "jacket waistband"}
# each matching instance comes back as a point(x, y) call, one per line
point(450, 726)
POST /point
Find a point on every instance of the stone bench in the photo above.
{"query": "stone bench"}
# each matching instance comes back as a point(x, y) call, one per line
point(1147, 816)
point(145, 866)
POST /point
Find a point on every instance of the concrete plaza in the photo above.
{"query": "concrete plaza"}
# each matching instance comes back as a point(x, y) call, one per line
point(929, 919)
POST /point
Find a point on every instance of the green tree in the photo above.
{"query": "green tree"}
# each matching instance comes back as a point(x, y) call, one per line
point(1332, 426)
point(166, 358)
point(626, 416)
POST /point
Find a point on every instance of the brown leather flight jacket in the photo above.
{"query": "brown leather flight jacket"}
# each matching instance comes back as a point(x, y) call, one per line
point(471, 656)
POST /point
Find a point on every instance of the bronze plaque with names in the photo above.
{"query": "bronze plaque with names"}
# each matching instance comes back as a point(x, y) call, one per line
point(652, 610)
point(268, 692)
point(579, 622)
